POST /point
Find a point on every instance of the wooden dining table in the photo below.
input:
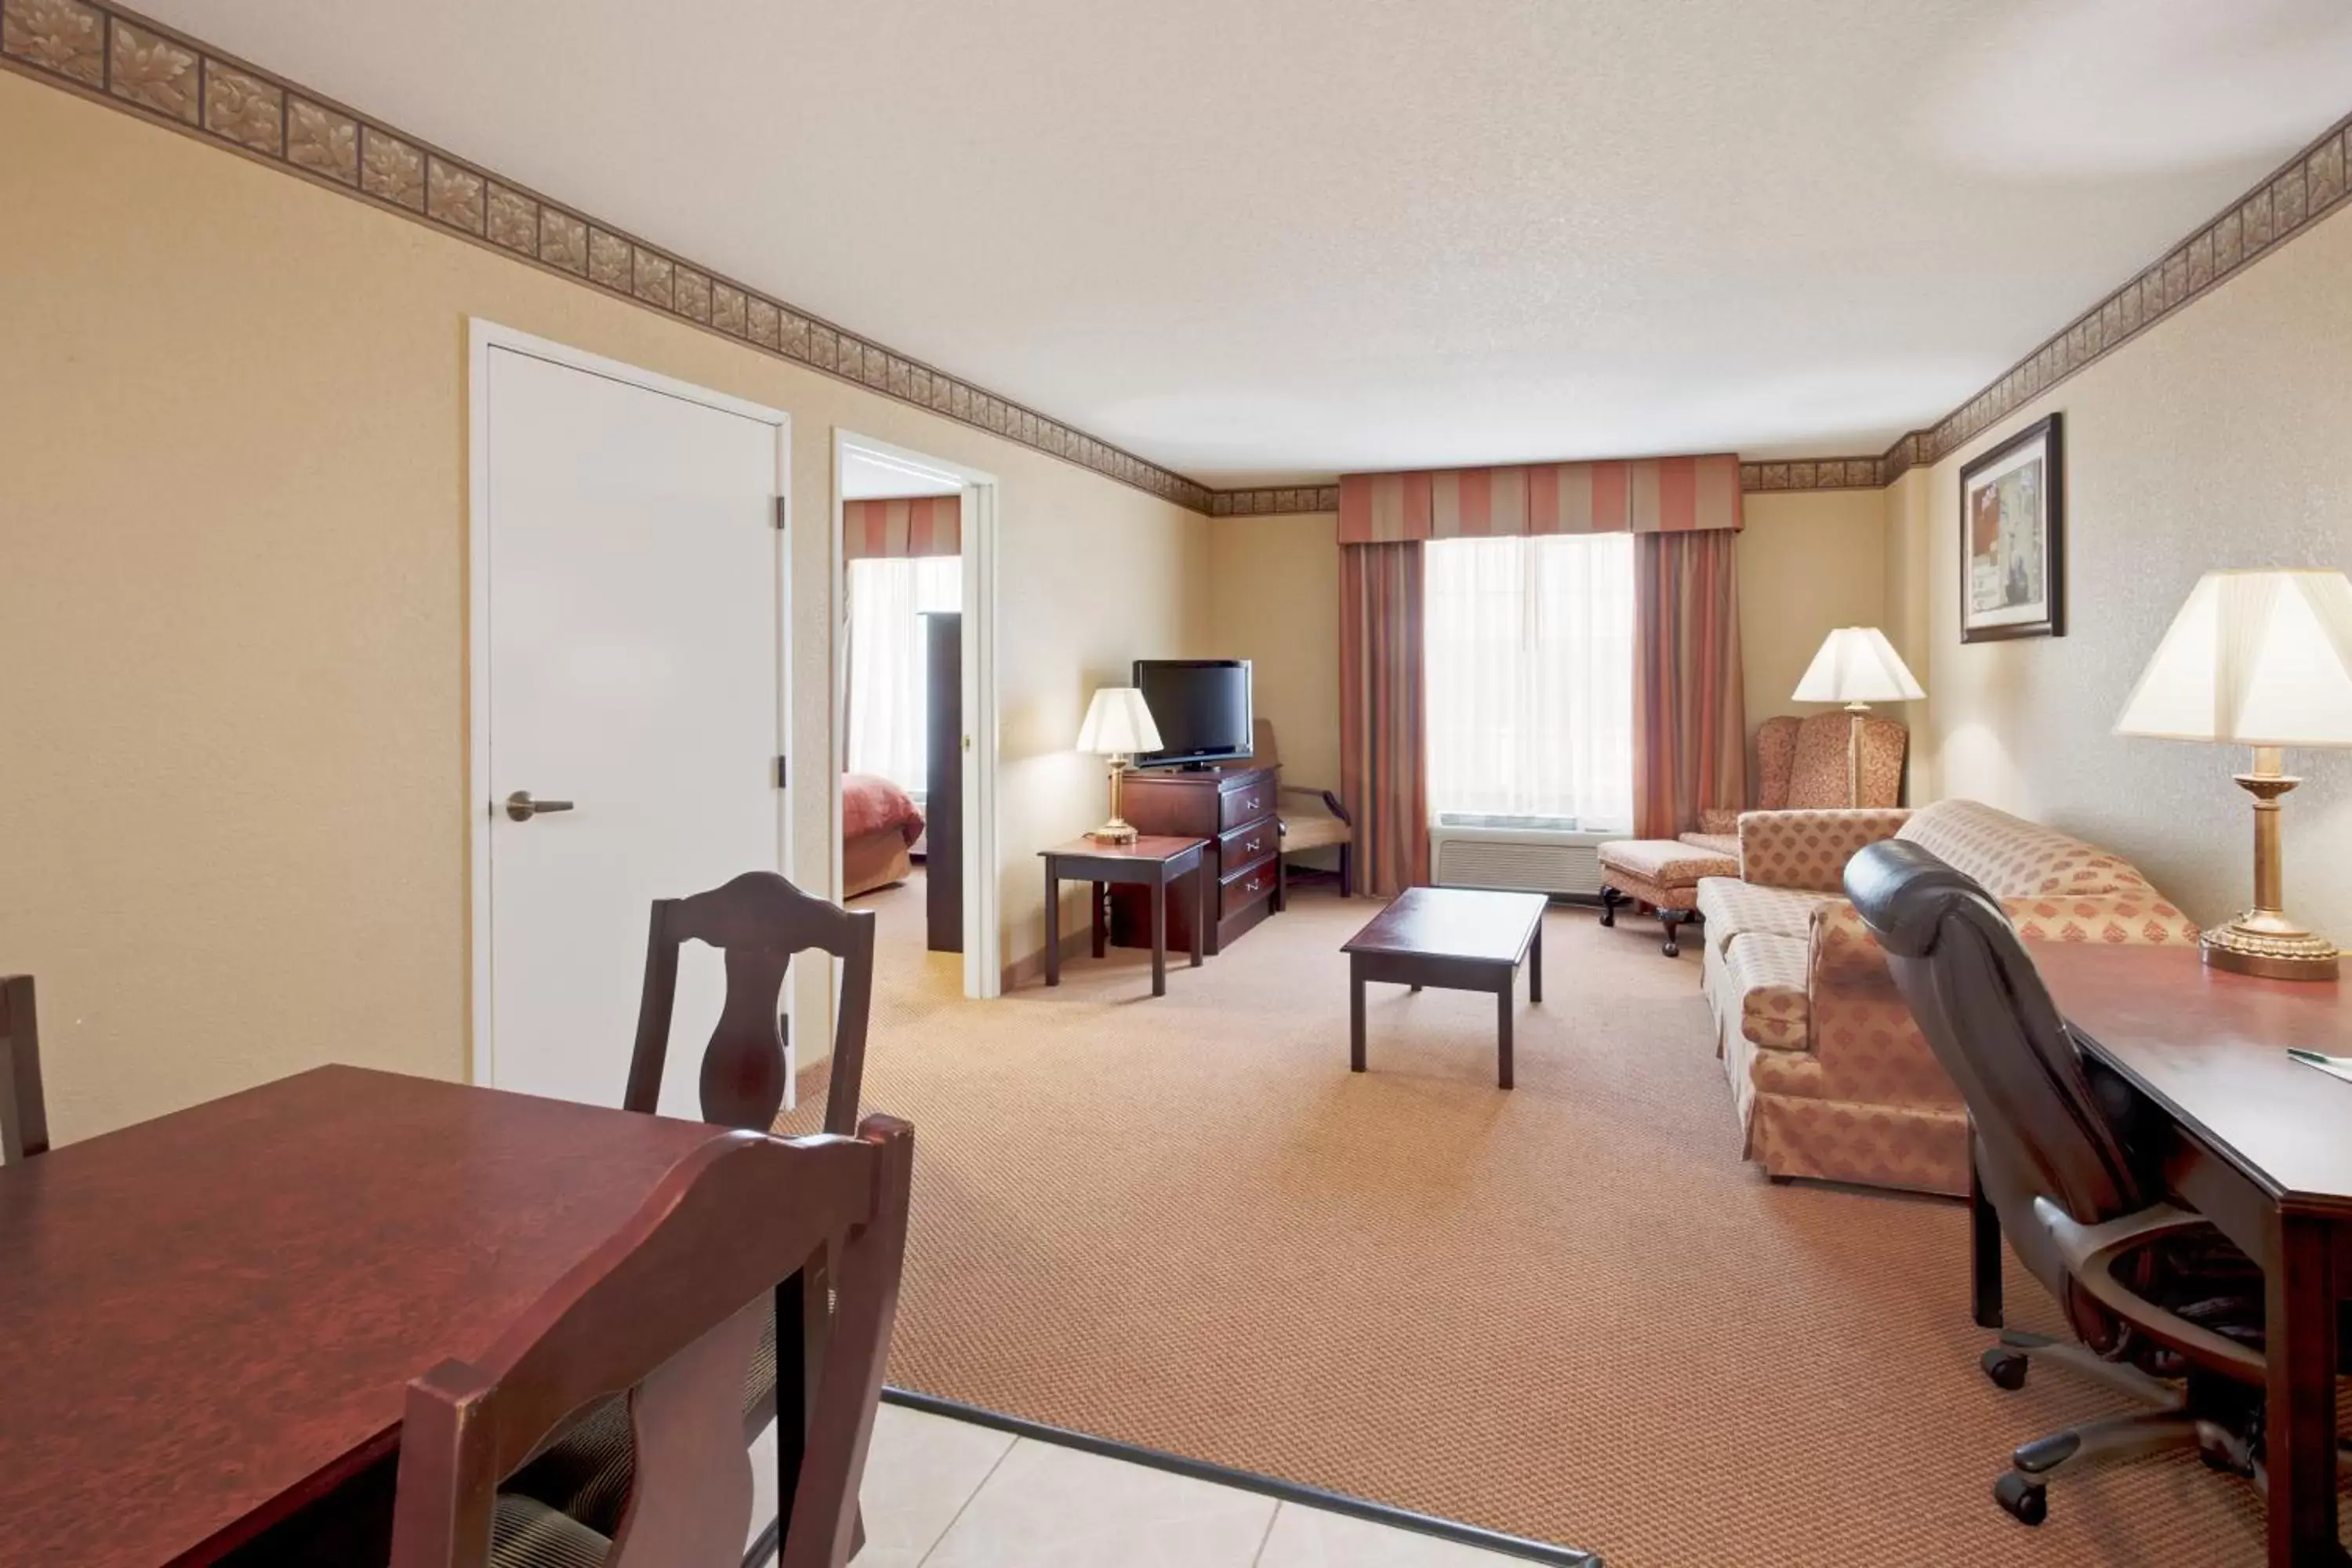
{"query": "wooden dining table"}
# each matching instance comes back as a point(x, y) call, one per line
point(208, 1322)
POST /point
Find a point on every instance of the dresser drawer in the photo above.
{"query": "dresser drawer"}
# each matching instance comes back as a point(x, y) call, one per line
point(1249, 887)
point(1247, 844)
point(1246, 802)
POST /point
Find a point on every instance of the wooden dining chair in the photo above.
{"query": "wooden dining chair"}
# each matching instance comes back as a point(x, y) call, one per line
point(24, 1115)
point(761, 921)
point(667, 1314)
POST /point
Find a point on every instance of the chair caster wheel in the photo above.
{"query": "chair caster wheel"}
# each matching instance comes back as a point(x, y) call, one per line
point(2006, 1368)
point(2023, 1500)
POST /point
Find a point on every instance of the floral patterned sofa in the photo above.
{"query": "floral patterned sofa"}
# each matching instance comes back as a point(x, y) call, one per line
point(1831, 1078)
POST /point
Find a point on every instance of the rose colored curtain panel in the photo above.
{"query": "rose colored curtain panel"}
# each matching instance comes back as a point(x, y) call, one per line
point(1383, 743)
point(1690, 724)
point(902, 526)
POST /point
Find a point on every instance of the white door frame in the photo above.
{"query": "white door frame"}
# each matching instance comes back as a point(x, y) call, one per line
point(983, 975)
point(481, 337)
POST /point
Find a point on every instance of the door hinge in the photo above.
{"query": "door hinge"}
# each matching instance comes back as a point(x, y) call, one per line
point(784, 508)
point(784, 773)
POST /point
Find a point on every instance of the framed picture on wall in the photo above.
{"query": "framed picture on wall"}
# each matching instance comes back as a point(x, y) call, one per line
point(2013, 538)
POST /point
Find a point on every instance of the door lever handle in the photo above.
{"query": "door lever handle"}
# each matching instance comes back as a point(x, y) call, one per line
point(522, 809)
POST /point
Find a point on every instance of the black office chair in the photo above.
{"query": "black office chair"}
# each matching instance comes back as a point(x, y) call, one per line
point(2167, 1308)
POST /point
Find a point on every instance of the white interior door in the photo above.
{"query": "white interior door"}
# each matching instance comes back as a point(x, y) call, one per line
point(631, 624)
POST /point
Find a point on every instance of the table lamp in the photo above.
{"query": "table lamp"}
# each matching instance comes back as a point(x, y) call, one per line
point(1117, 726)
point(2262, 659)
point(1856, 665)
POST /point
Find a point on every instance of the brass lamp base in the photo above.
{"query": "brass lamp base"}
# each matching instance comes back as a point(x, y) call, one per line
point(1117, 830)
point(2244, 948)
point(2265, 940)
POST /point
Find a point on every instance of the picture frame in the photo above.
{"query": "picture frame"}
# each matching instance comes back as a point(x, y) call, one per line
point(2012, 537)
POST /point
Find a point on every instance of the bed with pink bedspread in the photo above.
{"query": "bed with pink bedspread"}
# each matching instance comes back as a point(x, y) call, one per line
point(880, 822)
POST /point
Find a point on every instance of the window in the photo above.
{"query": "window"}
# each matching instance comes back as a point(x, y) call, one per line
point(888, 688)
point(1529, 660)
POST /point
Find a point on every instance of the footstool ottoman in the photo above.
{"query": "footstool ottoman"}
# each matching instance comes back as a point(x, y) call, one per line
point(1662, 873)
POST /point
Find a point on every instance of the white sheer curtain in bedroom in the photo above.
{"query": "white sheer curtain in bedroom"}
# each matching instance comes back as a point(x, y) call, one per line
point(887, 599)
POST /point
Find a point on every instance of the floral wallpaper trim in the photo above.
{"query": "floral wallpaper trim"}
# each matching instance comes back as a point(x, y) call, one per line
point(122, 59)
point(1276, 500)
point(1815, 474)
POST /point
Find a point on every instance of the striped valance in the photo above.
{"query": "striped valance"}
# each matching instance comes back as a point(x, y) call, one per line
point(1640, 495)
point(902, 525)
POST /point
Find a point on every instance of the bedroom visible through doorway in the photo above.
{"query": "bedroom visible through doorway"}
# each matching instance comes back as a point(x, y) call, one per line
point(910, 830)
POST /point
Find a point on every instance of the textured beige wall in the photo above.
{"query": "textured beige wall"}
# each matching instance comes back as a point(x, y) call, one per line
point(1808, 562)
point(233, 779)
point(2218, 438)
point(1276, 603)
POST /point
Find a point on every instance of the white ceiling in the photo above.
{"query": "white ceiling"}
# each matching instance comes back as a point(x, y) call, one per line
point(1268, 239)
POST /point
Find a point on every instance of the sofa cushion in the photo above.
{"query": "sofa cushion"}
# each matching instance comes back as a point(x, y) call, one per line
point(1667, 862)
point(1732, 907)
point(1767, 972)
point(2015, 858)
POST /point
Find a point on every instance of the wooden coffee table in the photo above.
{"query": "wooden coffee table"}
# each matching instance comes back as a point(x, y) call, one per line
point(1459, 939)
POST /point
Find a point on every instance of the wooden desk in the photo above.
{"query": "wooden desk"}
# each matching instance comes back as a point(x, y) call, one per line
point(211, 1318)
point(1154, 861)
point(2260, 1145)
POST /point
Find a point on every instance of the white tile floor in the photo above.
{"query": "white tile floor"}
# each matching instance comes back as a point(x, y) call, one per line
point(941, 1493)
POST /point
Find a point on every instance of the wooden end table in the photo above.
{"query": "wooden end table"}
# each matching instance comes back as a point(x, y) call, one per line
point(1154, 861)
point(1458, 939)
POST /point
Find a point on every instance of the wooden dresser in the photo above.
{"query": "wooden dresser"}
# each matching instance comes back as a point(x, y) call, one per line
point(1232, 808)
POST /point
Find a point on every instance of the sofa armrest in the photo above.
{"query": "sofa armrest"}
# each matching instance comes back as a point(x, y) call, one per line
point(1719, 821)
point(1808, 849)
point(1863, 1034)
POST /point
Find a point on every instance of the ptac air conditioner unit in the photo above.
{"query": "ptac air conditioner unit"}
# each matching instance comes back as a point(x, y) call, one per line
point(1559, 861)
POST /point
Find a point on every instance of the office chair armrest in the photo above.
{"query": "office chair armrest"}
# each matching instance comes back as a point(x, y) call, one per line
point(2091, 1251)
point(1330, 802)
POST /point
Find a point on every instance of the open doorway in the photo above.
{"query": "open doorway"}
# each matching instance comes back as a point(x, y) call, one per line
point(914, 822)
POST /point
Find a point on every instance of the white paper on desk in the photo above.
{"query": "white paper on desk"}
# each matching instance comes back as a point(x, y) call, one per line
point(2334, 1066)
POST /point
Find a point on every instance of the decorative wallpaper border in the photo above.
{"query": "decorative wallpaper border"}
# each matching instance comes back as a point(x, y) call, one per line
point(1816, 474)
point(1278, 500)
point(115, 57)
point(120, 58)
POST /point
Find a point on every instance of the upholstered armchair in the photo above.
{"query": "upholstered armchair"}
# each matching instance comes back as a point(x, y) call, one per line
point(1801, 765)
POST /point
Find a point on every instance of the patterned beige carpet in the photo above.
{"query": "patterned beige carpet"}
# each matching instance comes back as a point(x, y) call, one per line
point(1569, 1312)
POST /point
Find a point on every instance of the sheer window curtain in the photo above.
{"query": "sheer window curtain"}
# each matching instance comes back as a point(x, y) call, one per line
point(1530, 680)
point(887, 696)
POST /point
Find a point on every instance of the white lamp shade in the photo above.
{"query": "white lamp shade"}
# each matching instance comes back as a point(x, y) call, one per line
point(1857, 664)
point(2261, 659)
point(1118, 723)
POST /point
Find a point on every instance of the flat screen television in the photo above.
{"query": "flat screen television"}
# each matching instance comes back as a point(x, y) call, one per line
point(1201, 708)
